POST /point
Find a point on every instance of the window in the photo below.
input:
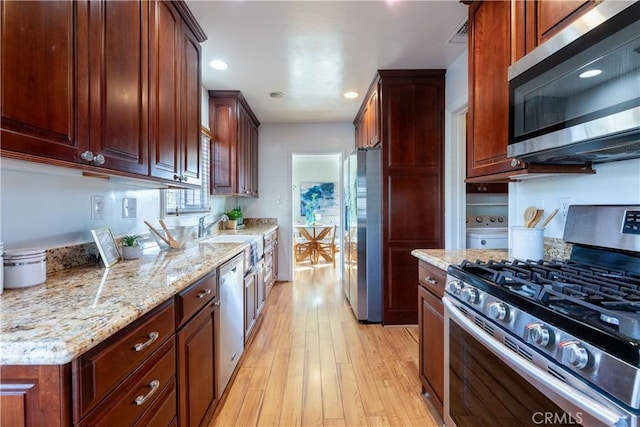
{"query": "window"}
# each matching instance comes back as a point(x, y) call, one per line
point(179, 201)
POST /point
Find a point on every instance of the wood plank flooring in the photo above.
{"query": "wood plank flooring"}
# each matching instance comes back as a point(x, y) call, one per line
point(312, 364)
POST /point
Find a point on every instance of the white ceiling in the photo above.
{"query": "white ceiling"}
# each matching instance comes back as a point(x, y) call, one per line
point(314, 51)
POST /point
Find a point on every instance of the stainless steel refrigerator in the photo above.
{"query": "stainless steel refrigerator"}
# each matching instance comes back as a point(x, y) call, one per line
point(362, 237)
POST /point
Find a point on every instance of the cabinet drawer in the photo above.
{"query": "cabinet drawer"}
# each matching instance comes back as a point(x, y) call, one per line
point(432, 278)
point(196, 296)
point(97, 371)
point(144, 393)
point(268, 239)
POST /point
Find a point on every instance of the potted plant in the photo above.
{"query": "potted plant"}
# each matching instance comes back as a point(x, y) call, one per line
point(233, 216)
point(131, 248)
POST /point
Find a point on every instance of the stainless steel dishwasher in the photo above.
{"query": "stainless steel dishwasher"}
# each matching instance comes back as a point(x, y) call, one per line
point(231, 337)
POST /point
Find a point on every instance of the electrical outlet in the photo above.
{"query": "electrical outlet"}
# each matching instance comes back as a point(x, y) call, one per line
point(129, 207)
point(97, 207)
point(563, 207)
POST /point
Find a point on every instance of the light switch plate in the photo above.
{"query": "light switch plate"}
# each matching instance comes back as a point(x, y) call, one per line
point(129, 207)
point(97, 207)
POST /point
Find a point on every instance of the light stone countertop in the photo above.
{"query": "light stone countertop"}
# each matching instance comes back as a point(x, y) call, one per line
point(78, 308)
point(443, 258)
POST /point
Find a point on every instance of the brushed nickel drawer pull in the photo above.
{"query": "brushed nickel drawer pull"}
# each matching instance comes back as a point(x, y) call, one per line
point(430, 280)
point(142, 345)
point(204, 293)
point(155, 385)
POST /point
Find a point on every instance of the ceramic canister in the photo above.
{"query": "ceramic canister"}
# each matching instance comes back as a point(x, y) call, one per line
point(24, 267)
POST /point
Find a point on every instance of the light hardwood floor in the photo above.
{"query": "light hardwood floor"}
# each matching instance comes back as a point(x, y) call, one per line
point(312, 363)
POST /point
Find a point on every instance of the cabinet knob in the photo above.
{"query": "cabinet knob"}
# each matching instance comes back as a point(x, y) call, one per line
point(184, 178)
point(90, 157)
point(515, 162)
point(177, 178)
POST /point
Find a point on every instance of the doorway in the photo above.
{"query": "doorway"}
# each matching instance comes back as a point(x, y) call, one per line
point(316, 203)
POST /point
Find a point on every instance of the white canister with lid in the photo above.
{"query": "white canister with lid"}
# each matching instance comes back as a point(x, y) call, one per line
point(24, 268)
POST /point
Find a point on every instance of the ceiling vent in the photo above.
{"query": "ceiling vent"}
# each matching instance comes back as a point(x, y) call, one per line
point(461, 34)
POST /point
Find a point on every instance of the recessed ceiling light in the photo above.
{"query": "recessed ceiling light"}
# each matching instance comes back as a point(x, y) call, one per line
point(351, 95)
point(590, 73)
point(217, 64)
point(276, 94)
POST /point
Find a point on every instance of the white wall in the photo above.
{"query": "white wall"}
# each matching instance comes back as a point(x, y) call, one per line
point(46, 207)
point(614, 183)
point(277, 143)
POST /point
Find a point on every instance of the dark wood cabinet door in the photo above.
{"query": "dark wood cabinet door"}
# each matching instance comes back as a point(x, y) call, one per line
point(222, 113)
point(412, 141)
point(119, 60)
point(553, 16)
point(35, 395)
point(431, 335)
point(372, 120)
point(243, 151)
point(489, 59)
point(44, 56)
point(253, 168)
point(190, 104)
point(196, 369)
point(164, 128)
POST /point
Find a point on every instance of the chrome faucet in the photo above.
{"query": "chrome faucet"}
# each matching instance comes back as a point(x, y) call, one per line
point(204, 230)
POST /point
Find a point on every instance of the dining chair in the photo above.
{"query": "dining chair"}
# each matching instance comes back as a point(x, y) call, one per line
point(326, 246)
point(303, 248)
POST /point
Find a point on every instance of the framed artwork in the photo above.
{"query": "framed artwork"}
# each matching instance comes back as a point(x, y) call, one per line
point(106, 246)
point(320, 197)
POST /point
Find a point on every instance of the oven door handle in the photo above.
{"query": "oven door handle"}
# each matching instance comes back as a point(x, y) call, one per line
point(542, 381)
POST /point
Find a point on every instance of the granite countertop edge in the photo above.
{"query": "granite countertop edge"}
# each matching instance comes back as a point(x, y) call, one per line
point(76, 309)
point(443, 258)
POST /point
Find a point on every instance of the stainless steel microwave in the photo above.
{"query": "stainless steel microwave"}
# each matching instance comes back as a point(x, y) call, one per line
point(576, 98)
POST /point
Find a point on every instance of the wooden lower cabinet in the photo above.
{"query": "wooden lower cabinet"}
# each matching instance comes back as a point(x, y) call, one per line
point(147, 374)
point(431, 333)
point(196, 368)
point(35, 395)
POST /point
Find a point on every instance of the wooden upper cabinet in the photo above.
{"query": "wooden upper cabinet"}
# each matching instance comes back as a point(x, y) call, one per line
point(489, 59)
point(234, 153)
point(174, 98)
point(118, 85)
point(190, 104)
point(103, 85)
point(45, 78)
point(552, 16)
point(367, 121)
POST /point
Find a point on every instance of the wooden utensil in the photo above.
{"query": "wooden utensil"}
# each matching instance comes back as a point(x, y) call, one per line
point(172, 242)
point(157, 233)
point(537, 218)
point(529, 215)
point(549, 218)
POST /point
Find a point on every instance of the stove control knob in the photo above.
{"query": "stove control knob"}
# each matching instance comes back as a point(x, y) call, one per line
point(498, 311)
point(469, 295)
point(454, 287)
point(539, 334)
point(574, 355)
point(478, 219)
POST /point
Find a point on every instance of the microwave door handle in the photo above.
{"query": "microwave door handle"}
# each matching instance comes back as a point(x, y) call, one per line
point(539, 379)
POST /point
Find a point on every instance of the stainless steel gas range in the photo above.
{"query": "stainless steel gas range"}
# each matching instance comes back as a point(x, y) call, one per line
point(538, 342)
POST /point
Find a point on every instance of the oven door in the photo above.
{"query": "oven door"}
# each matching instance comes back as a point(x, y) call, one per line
point(487, 384)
